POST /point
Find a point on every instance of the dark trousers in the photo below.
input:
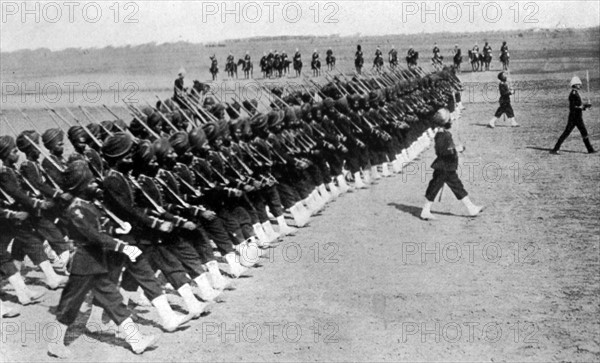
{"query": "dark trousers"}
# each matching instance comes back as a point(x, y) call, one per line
point(106, 295)
point(28, 243)
point(289, 195)
point(216, 231)
point(441, 177)
point(139, 273)
point(505, 108)
point(575, 122)
point(266, 196)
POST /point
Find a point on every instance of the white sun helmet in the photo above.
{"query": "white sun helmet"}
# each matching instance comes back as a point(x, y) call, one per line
point(575, 80)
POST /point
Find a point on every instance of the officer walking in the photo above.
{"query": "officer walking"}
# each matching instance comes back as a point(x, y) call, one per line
point(576, 108)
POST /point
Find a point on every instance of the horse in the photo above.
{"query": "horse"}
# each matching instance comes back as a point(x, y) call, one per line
point(246, 67)
point(330, 60)
point(231, 69)
point(476, 60)
point(412, 61)
point(214, 69)
point(457, 60)
point(298, 67)
point(378, 63)
point(315, 65)
point(285, 65)
point(505, 59)
point(437, 62)
point(486, 61)
point(358, 63)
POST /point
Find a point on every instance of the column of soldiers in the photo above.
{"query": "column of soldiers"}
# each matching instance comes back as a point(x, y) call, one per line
point(160, 200)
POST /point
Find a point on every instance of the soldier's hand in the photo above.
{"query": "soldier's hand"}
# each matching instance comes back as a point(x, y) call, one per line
point(190, 226)
point(66, 197)
point(165, 227)
point(586, 106)
point(249, 188)
point(208, 214)
point(20, 216)
point(46, 205)
point(460, 148)
point(132, 252)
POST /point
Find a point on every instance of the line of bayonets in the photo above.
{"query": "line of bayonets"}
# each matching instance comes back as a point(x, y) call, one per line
point(194, 103)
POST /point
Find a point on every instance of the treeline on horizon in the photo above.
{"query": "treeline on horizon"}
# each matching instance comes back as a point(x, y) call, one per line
point(183, 44)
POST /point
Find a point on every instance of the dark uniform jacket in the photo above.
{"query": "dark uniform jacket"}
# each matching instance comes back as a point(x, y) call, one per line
point(447, 157)
point(87, 226)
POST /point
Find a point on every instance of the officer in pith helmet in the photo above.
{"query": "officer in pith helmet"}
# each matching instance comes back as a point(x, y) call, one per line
point(445, 166)
point(576, 108)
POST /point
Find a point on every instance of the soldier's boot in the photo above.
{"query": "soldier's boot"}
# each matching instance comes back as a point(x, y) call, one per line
point(171, 320)
point(263, 240)
point(137, 341)
point(321, 201)
point(513, 122)
point(492, 123)
point(284, 229)
point(9, 311)
point(300, 218)
point(248, 253)
point(385, 170)
point(335, 192)
point(367, 177)
point(358, 182)
point(95, 324)
point(344, 187)
point(304, 211)
point(324, 194)
point(24, 294)
point(204, 289)
point(235, 268)
point(374, 174)
point(217, 280)
point(397, 166)
point(194, 307)
point(57, 348)
point(270, 232)
point(588, 145)
point(472, 208)
point(53, 281)
point(426, 212)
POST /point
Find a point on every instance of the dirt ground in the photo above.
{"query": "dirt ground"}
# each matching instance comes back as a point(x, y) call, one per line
point(367, 280)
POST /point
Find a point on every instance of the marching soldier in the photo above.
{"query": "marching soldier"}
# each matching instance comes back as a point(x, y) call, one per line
point(505, 106)
point(90, 270)
point(576, 108)
point(444, 168)
point(29, 241)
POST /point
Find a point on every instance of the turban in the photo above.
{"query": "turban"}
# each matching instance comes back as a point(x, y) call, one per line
point(197, 138)
point(52, 137)
point(180, 142)
point(23, 143)
point(7, 144)
point(77, 175)
point(117, 145)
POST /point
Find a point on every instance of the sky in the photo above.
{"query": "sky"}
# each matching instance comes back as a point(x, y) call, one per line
point(58, 25)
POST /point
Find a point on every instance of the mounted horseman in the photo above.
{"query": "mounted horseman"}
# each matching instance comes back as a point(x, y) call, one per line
point(393, 57)
point(487, 56)
point(412, 58)
point(359, 60)
point(330, 59)
point(437, 60)
point(504, 56)
point(378, 60)
point(214, 67)
point(457, 57)
point(298, 63)
point(231, 66)
point(315, 64)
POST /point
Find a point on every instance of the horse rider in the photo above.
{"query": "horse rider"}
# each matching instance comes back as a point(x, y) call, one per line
point(487, 49)
point(247, 58)
point(297, 56)
point(411, 52)
point(476, 49)
point(436, 51)
point(393, 56)
point(315, 56)
point(329, 52)
point(504, 48)
point(179, 88)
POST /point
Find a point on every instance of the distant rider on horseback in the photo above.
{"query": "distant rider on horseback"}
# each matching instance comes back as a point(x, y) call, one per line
point(393, 56)
point(358, 59)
